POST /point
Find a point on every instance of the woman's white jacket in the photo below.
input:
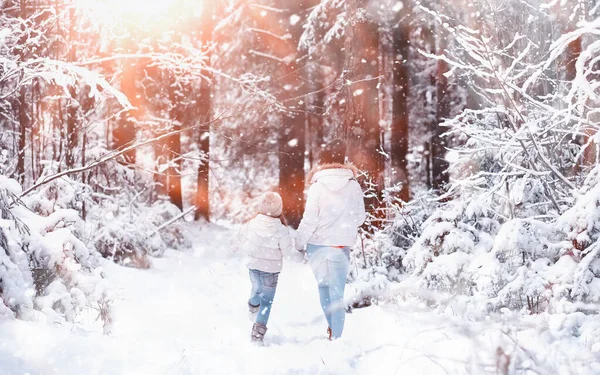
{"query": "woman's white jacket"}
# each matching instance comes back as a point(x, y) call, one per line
point(335, 208)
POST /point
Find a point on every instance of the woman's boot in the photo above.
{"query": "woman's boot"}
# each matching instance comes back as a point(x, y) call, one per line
point(258, 332)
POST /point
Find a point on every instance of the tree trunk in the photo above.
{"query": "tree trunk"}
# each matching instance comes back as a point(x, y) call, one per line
point(123, 132)
point(314, 113)
point(574, 49)
point(202, 200)
point(291, 164)
point(399, 131)
point(71, 135)
point(573, 52)
point(174, 171)
point(33, 126)
point(292, 131)
point(362, 129)
point(22, 108)
point(202, 190)
point(23, 125)
point(438, 163)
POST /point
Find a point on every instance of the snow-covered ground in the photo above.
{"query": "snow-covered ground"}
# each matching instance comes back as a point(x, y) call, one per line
point(187, 315)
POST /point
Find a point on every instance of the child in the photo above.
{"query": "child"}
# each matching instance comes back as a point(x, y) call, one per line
point(265, 239)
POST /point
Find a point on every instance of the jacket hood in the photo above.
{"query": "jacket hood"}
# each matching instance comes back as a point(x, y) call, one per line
point(265, 226)
point(334, 176)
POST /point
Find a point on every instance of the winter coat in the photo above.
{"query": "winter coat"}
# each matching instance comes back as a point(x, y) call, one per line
point(264, 240)
point(335, 207)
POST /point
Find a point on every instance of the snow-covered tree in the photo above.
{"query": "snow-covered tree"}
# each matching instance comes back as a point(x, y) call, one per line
point(509, 228)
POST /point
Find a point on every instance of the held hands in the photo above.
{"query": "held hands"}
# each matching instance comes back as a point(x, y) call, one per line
point(297, 255)
point(297, 252)
point(300, 256)
point(298, 246)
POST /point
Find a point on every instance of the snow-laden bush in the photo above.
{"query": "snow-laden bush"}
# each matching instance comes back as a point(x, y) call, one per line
point(125, 215)
point(128, 235)
point(123, 220)
point(513, 273)
point(44, 264)
point(377, 257)
point(580, 229)
point(521, 263)
point(524, 263)
point(450, 241)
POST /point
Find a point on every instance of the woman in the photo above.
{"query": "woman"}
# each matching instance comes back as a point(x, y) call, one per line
point(334, 211)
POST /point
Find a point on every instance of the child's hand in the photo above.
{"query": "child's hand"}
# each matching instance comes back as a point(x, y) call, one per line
point(294, 236)
point(299, 247)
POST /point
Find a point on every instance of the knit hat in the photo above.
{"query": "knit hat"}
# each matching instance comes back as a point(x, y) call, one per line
point(271, 204)
point(333, 153)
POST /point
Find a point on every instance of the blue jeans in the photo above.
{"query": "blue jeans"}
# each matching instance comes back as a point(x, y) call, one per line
point(263, 292)
point(330, 266)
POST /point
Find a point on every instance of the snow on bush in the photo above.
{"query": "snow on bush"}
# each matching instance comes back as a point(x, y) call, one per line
point(523, 264)
point(44, 265)
point(468, 259)
point(450, 241)
point(580, 227)
point(129, 235)
point(122, 218)
point(468, 248)
point(377, 256)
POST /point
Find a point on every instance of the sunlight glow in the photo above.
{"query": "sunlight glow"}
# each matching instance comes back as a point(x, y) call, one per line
point(143, 15)
point(148, 8)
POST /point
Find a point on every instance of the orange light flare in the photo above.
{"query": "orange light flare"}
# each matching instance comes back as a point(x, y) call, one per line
point(130, 30)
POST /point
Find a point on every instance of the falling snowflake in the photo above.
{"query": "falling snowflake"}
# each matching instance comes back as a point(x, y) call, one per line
point(294, 19)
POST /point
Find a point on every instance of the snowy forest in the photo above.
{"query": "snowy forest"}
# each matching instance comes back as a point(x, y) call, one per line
point(138, 136)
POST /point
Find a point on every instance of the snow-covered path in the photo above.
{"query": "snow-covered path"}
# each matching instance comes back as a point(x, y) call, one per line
point(187, 315)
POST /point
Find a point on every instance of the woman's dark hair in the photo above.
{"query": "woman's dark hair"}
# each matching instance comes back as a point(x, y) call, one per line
point(283, 220)
point(334, 152)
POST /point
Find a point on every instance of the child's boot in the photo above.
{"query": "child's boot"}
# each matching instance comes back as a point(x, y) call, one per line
point(252, 312)
point(258, 332)
point(253, 309)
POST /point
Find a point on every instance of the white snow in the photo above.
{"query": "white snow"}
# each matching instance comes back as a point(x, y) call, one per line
point(294, 19)
point(188, 315)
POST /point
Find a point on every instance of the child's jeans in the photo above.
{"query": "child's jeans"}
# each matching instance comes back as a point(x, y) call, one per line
point(330, 266)
point(263, 292)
